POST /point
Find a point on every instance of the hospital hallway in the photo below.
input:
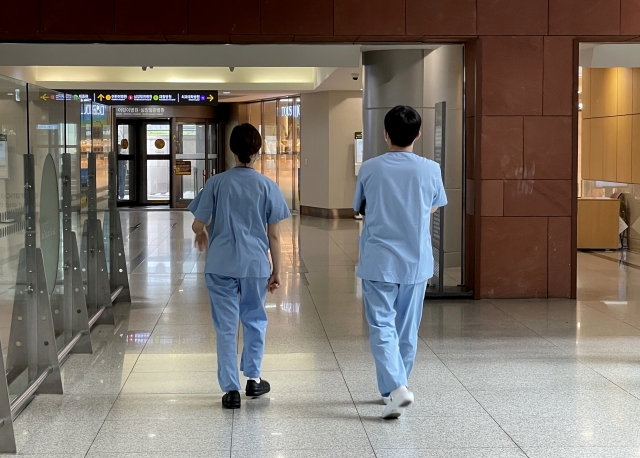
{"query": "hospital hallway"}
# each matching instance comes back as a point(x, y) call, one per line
point(493, 378)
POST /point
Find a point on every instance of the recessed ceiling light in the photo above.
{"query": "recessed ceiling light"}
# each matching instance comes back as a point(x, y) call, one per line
point(9, 93)
point(226, 92)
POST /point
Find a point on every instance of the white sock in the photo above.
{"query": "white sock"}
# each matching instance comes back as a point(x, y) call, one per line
point(257, 380)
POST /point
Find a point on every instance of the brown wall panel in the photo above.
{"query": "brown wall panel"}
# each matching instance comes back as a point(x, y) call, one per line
point(635, 149)
point(548, 147)
point(584, 17)
point(559, 258)
point(512, 75)
point(610, 92)
point(597, 148)
point(625, 91)
point(20, 18)
point(537, 198)
point(636, 91)
point(208, 17)
point(505, 258)
point(441, 17)
point(597, 92)
point(558, 76)
point(146, 17)
point(586, 149)
point(284, 17)
point(630, 17)
point(586, 93)
point(506, 17)
point(623, 156)
point(63, 17)
point(609, 156)
point(492, 197)
point(502, 147)
point(372, 17)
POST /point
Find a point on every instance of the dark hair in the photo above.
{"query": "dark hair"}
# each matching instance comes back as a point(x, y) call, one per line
point(402, 124)
point(245, 142)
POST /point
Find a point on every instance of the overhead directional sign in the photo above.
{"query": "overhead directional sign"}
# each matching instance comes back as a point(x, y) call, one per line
point(141, 97)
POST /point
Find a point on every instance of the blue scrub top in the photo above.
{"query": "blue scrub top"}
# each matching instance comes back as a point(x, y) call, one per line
point(240, 203)
point(400, 188)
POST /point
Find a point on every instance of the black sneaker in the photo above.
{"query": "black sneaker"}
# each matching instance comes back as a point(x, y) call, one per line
point(255, 389)
point(231, 400)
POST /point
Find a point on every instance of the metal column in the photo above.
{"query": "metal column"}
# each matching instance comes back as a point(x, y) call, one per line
point(7, 437)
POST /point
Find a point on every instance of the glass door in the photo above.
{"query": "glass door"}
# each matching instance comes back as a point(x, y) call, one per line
point(190, 163)
point(157, 162)
point(126, 163)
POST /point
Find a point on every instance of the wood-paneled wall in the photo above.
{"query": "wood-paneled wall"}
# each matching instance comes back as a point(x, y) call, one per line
point(611, 124)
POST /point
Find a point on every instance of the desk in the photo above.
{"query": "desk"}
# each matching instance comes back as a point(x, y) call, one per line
point(598, 223)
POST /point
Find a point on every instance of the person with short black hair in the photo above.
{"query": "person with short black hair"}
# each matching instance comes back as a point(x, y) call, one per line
point(397, 191)
point(244, 209)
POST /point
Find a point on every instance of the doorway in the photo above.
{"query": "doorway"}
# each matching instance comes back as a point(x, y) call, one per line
point(195, 158)
point(144, 162)
point(164, 161)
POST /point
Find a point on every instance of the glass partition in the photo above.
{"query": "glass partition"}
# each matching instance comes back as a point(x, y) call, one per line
point(270, 139)
point(13, 146)
point(278, 121)
point(48, 143)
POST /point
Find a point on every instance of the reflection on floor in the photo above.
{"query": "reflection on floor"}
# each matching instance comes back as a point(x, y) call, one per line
point(493, 379)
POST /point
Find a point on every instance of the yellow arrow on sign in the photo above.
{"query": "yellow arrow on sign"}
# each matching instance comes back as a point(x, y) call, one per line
point(44, 97)
point(211, 98)
point(100, 97)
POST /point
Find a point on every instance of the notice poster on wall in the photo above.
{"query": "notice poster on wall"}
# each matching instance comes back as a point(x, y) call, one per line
point(358, 151)
point(4, 164)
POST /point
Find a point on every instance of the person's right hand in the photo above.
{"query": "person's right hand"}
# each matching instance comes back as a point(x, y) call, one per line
point(202, 241)
point(274, 282)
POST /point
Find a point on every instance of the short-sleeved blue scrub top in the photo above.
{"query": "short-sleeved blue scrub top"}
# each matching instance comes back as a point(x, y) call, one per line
point(240, 203)
point(400, 188)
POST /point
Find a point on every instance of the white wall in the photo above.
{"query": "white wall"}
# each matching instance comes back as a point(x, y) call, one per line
point(345, 119)
point(328, 122)
point(314, 146)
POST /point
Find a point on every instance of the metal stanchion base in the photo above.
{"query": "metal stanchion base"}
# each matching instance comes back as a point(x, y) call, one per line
point(7, 437)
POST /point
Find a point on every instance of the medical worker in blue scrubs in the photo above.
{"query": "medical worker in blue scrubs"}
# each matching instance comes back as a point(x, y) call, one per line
point(397, 191)
point(242, 209)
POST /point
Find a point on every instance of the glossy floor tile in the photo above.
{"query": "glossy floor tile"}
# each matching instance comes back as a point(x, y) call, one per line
point(492, 379)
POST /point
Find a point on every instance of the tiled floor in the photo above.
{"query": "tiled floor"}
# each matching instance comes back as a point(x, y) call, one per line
point(493, 379)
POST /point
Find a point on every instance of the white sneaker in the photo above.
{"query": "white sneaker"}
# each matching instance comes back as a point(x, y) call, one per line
point(399, 400)
point(385, 400)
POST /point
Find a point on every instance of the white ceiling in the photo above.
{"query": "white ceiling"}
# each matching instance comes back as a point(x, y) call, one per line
point(258, 70)
point(609, 55)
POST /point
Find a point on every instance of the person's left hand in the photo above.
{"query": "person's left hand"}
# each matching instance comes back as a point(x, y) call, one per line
point(202, 241)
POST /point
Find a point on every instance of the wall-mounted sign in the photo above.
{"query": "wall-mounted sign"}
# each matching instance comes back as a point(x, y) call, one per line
point(94, 109)
point(290, 110)
point(4, 164)
point(182, 167)
point(139, 97)
point(358, 147)
point(140, 111)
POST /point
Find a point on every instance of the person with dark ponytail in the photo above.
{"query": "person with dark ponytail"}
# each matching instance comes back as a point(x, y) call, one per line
point(242, 210)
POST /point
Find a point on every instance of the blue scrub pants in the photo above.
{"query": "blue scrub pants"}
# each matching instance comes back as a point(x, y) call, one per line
point(394, 313)
point(234, 299)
